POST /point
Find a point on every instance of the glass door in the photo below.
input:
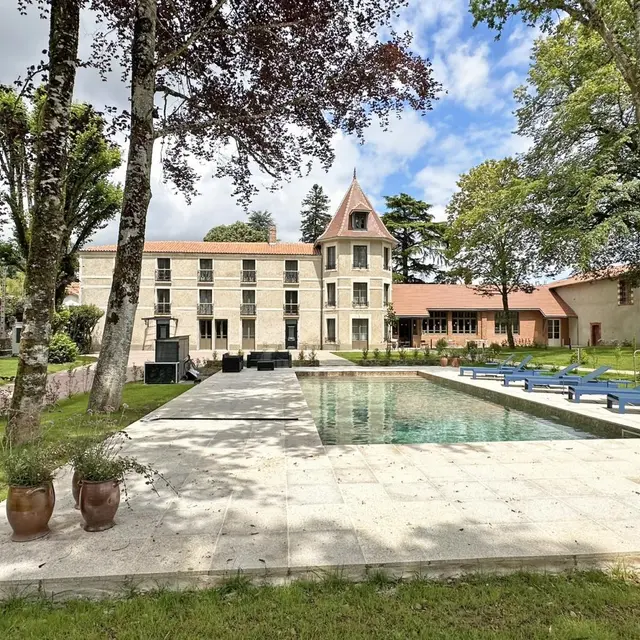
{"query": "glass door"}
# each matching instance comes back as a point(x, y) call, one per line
point(553, 332)
point(205, 334)
point(291, 334)
point(221, 334)
point(248, 334)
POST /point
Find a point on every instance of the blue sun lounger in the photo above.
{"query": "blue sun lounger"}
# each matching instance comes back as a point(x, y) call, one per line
point(623, 397)
point(500, 366)
point(489, 371)
point(601, 388)
point(523, 375)
point(554, 381)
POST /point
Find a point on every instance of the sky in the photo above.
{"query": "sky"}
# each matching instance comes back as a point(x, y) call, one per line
point(419, 155)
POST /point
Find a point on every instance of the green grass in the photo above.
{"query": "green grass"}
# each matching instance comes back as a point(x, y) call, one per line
point(9, 366)
point(558, 356)
point(69, 419)
point(528, 607)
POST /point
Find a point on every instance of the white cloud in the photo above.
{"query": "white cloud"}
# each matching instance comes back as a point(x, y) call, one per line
point(521, 40)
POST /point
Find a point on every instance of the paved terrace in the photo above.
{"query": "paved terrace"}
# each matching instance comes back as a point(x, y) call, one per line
point(258, 492)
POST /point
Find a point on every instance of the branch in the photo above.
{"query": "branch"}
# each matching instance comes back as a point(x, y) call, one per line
point(188, 127)
point(163, 62)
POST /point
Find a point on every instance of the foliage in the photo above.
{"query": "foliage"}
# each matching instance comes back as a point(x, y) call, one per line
point(391, 320)
point(420, 250)
point(31, 466)
point(492, 240)
point(365, 353)
point(441, 345)
point(78, 322)
point(236, 232)
point(261, 221)
point(62, 349)
point(91, 200)
point(315, 215)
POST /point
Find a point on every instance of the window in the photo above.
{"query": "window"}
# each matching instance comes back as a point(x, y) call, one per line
point(248, 273)
point(435, 323)
point(291, 271)
point(501, 320)
point(625, 293)
point(387, 291)
point(291, 302)
point(465, 322)
point(205, 271)
point(553, 329)
point(359, 220)
point(360, 257)
point(221, 329)
point(163, 270)
point(162, 329)
point(359, 330)
point(360, 297)
point(387, 259)
point(331, 329)
point(248, 296)
point(331, 258)
point(205, 302)
point(163, 301)
point(331, 294)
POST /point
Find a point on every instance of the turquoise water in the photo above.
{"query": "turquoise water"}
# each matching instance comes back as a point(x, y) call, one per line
point(404, 411)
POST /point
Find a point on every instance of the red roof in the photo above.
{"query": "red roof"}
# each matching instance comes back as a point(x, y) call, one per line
point(73, 289)
point(610, 274)
point(241, 248)
point(417, 299)
point(355, 200)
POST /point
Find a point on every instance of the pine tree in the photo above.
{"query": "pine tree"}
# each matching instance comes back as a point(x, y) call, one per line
point(315, 215)
point(261, 220)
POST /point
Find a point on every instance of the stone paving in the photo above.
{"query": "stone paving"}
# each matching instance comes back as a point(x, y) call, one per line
point(258, 492)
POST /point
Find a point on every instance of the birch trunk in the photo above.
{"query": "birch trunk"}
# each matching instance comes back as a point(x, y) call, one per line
point(47, 225)
point(111, 371)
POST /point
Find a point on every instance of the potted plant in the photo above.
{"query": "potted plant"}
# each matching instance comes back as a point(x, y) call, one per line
point(29, 473)
point(454, 358)
point(101, 471)
point(441, 347)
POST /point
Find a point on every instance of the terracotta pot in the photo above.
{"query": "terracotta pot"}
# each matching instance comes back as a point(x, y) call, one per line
point(455, 362)
point(75, 489)
point(99, 503)
point(29, 510)
point(444, 361)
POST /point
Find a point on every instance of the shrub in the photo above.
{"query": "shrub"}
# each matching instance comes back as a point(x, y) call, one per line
point(376, 355)
point(402, 355)
point(471, 350)
point(416, 355)
point(78, 322)
point(31, 466)
point(441, 345)
point(365, 353)
point(62, 349)
point(301, 355)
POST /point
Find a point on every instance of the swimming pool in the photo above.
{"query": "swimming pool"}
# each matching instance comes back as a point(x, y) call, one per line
point(403, 411)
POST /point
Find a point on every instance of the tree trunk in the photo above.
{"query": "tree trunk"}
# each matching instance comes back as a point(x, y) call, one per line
point(505, 306)
point(47, 225)
point(111, 371)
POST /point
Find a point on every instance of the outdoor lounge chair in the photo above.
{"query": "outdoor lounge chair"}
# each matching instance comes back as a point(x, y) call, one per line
point(555, 381)
point(523, 375)
point(623, 397)
point(493, 371)
point(601, 388)
point(499, 365)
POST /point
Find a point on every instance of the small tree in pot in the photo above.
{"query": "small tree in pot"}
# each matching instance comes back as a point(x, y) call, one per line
point(100, 471)
point(29, 472)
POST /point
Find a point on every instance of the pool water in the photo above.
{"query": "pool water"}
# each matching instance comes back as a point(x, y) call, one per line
point(405, 411)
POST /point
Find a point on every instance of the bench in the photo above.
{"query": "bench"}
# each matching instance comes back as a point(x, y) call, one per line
point(266, 365)
point(280, 359)
point(623, 398)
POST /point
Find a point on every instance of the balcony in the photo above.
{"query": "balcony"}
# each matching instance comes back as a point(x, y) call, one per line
point(205, 275)
point(291, 309)
point(360, 303)
point(163, 275)
point(330, 304)
point(330, 266)
point(291, 277)
point(360, 265)
point(205, 308)
point(162, 308)
point(248, 309)
point(248, 276)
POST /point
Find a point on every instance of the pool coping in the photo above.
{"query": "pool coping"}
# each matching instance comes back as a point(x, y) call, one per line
point(571, 416)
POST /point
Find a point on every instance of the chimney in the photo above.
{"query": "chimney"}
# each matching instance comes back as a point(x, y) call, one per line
point(272, 234)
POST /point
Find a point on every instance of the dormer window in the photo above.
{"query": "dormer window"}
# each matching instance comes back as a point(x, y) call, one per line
point(359, 220)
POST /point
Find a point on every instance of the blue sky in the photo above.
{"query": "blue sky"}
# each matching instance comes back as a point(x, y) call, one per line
point(422, 156)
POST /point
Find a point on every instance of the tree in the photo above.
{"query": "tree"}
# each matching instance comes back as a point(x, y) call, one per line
point(584, 159)
point(315, 215)
point(491, 244)
point(90, 199)
point(261, 221)
point(47, 224)
point(243, 84)
point(236, 232)
point(420, 240)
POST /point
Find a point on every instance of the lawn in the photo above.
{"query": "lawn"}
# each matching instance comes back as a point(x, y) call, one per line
point(68, 419)
point(558, 356)
point(583, 605)
point(9, 366)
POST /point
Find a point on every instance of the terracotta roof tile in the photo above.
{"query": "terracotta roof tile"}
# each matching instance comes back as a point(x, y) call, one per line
point(212, 248)
point(612, 274)
point(416, 299)
point(73, 289)
point(355, 200)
